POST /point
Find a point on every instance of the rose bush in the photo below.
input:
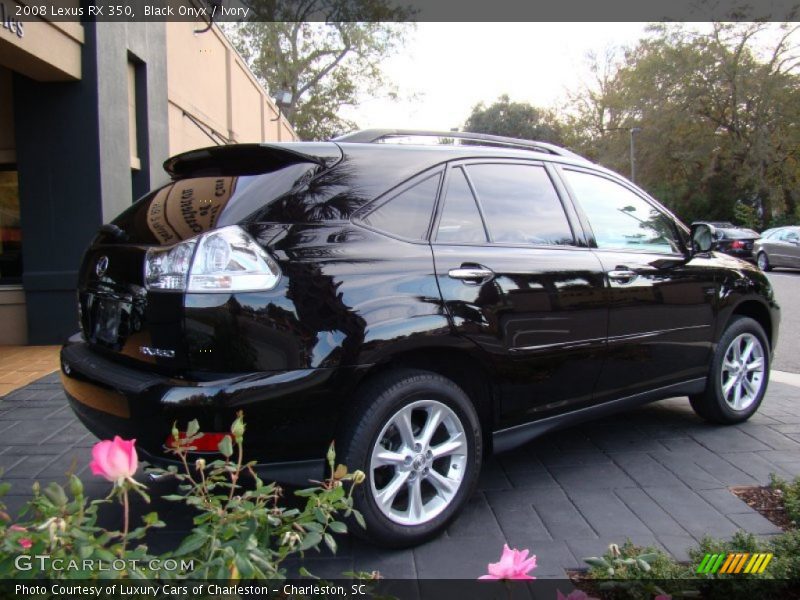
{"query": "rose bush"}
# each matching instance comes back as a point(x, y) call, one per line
point(242, 530)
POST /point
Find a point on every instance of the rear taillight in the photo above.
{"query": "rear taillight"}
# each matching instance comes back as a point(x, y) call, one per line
point(204, 442)
point(224, 260)
point(737, 244)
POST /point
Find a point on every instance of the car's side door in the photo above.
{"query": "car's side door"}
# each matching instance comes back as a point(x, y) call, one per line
point(661, 306)
point(785, 249)
point(518, 279)
point(793, 248)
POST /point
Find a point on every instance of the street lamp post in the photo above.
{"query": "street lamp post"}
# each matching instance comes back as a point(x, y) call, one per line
point(633, 130)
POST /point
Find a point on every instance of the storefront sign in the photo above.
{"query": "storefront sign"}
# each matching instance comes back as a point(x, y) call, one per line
point(9, 21)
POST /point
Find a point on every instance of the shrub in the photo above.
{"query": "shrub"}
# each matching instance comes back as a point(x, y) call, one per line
point(239, 532)
point(790, 494)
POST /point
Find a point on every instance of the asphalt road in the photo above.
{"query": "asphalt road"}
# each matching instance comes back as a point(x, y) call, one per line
point(787, 291)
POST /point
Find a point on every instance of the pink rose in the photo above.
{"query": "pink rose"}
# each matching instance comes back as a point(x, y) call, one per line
point(115, 460)
point(25, 543)
point(512, 565)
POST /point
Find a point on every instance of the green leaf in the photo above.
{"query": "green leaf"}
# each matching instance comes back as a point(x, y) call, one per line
point(191, 544)
point(643, 565)
point(311, 540)
point(226, 446)
point(337, 527)
point(192, 428)
point(595, 561)
point(330, 542)
point(649, 557)
point(173, 497)
point(306, 573)
point(360, 519)
point(152, 520)
point(244, 566)
point(75, 485)
point(55, 493)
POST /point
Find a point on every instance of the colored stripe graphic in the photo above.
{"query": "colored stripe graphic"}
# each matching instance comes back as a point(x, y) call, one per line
point(734, 563)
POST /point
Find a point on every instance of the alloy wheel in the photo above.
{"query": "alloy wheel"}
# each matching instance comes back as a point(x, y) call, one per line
point(742, 373)
point(418, 461)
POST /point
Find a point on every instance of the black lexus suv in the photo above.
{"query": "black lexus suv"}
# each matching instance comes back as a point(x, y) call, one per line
point(419, 303)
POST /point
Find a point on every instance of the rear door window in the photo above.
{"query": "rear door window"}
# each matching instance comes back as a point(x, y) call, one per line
point(520, 204)
point(408, 214)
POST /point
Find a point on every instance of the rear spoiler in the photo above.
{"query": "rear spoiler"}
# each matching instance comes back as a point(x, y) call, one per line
point(250, 159)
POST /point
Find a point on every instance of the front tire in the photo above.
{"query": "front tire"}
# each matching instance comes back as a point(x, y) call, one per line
point(417, 437)
point(739, 374)
point(762, 260)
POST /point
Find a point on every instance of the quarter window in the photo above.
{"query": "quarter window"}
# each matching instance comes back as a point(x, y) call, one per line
point(520, 204)
point(408, 214)
point(621, 219)
point(461, 221)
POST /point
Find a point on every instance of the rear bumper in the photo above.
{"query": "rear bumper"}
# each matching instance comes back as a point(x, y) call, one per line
point(291, 416)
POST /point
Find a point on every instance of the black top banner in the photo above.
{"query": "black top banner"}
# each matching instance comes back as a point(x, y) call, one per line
point(402, 10)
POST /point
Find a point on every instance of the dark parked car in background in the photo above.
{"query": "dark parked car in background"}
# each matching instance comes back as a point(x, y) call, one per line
point(420, 304)
point(779, 247)
point(732, 239)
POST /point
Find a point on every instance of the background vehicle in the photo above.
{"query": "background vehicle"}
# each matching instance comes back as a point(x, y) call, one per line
point(421, 305)
point(779, 247)
point(733, 240)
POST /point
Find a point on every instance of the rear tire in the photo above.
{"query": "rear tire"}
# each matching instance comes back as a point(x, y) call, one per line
point(419, 473)
point(739, 374)
point(762, 260)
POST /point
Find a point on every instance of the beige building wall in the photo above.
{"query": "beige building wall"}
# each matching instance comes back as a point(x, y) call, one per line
point(213, 95)
point(41, 49)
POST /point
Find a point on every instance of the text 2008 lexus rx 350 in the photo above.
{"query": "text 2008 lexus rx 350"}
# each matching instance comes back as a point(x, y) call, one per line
point(420, 304)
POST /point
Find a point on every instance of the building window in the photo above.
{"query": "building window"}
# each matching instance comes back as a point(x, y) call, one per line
point(139, 142)
point(132, 129)
point(10, 229)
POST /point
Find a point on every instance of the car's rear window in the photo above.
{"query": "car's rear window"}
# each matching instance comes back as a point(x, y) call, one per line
point(189, 207)
point(736, 234)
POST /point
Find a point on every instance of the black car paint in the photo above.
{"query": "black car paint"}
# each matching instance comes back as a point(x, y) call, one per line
point(352, 300)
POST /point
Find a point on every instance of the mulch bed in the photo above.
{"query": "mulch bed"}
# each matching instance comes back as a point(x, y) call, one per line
point(768, 502)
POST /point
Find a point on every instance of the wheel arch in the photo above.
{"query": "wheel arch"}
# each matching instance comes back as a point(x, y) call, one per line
point(460, 366)
point(757, 311)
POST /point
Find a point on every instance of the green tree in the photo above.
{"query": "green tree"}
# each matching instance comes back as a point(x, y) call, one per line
point(718, 112)
point(514, 119)
point(327, 53)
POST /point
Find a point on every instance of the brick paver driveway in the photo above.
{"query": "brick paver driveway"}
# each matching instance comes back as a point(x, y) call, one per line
point(658, 475)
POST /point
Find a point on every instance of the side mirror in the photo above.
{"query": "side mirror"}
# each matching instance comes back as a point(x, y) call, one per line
point(702, 238)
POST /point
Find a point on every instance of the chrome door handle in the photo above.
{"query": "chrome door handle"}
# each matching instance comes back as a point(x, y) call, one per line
point(471, 274)
point(622, 275)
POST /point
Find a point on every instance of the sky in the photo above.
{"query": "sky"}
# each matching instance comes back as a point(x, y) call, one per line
point(444, 69)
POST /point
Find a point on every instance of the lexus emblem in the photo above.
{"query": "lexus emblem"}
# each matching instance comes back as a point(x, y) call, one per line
point(102, 266)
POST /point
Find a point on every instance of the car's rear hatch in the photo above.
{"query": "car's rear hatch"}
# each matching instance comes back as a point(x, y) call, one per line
point(211, 188)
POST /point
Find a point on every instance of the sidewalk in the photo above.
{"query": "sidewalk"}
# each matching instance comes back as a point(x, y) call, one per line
point(658, 475)
point(21, 365)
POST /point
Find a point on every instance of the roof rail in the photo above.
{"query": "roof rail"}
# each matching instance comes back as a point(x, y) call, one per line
point(371, 136)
